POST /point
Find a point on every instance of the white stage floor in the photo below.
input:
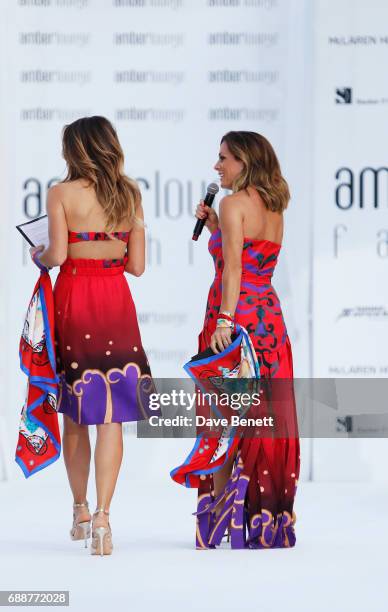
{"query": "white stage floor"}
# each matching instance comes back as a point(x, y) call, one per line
point(339, 563)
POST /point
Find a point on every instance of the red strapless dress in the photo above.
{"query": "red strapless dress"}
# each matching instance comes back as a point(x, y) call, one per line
point(259, 496)
point(103, 370)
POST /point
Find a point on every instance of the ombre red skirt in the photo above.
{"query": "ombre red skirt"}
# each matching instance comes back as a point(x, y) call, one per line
point(103, 370)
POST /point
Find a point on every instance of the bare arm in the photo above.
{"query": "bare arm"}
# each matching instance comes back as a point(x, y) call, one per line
point(56, 252)
point(136, 246)
point(231, 224)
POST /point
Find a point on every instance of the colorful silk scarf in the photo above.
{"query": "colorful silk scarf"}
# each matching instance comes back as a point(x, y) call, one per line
point(209, 453)
point(39, 442)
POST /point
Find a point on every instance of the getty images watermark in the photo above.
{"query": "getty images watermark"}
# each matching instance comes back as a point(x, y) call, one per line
point(188, 401)
point(278, 407)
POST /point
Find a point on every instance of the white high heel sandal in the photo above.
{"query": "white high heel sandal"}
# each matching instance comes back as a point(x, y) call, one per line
point(81, 530)
point(101, 537)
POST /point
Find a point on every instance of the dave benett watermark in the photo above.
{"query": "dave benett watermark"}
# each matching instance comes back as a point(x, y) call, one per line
point(241, 403)
point(213, 422)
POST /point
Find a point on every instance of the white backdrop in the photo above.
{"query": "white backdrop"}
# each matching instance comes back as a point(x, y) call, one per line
point(173, 76)
point(350, 195)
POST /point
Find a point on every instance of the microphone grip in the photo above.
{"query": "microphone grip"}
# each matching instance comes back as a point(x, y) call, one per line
point(198, 228)
point(209, 198)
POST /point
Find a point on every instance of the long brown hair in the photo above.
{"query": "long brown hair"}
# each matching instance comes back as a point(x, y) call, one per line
point(261, 168)
point(92, 151)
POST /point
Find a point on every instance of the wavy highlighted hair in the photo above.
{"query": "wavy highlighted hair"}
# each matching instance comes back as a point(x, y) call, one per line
point(261, 168)
point(92, 151)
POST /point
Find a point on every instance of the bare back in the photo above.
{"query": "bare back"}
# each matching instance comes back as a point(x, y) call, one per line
point(85, 214)
point(259, 223)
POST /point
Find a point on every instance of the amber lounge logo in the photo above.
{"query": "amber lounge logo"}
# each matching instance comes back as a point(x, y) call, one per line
point(343, 95)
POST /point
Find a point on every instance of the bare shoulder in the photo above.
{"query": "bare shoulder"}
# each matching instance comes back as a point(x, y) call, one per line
point(65, 188)
point(68, 192)
point(57, 189)
point(234, 198)
point(232, 204)
point(56, 195)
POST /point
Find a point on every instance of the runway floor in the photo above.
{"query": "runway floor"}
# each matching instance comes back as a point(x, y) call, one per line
point(339, 562)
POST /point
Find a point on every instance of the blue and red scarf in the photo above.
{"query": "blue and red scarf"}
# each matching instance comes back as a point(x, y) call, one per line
point(39, 442)
point(210, 453)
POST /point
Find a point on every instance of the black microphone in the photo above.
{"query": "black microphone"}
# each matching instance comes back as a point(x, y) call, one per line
point(211, 191)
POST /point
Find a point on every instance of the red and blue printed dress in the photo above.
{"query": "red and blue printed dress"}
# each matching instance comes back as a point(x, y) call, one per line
point(257, 501)
point(104, 374)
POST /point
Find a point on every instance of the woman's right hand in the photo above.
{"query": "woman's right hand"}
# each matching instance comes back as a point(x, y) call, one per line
point(207, 212)
point(36, 249)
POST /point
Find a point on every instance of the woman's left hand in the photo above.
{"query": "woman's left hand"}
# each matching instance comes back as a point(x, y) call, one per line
point(221, 338)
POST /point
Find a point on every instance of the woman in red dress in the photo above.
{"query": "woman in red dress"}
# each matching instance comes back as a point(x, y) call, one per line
point(252, 494)
point(96, 232)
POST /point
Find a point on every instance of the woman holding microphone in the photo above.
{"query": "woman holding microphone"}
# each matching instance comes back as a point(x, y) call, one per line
point(258, 478)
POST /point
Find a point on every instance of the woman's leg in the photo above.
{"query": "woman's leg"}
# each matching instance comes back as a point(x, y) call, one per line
point(108, 455)
point(76, 453)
